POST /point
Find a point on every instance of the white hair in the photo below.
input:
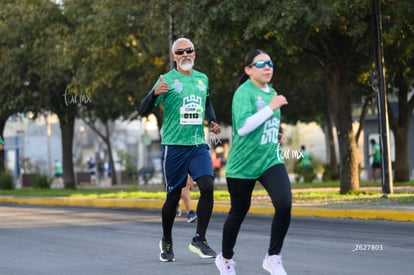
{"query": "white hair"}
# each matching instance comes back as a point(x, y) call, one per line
point(180, 40)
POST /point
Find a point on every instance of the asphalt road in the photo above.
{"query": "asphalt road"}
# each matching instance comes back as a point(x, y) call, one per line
point(39, 240)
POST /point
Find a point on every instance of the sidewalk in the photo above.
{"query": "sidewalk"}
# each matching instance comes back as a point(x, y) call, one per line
point(348, 211)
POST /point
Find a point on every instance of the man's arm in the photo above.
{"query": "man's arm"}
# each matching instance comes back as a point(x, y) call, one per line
point(147, 104)
point(210, 114)
point(211, 117)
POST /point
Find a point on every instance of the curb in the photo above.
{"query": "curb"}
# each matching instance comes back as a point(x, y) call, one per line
point(392, 214)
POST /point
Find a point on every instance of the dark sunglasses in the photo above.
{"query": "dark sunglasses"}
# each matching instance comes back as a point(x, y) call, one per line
point(261, 64)
point(181, 51)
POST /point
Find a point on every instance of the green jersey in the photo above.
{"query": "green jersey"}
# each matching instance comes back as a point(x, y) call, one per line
point(306, 159)
point(252, 154)
point(376, 153)
point(58, 168)
point(184, 108)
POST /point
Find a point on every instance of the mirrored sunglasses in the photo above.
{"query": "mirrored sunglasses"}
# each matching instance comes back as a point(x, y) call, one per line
point(260, 64)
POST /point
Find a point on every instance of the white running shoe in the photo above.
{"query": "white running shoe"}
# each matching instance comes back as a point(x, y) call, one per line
point(226, 267)
point(274, 265)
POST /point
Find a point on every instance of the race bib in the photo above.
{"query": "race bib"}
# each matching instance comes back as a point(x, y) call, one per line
point(191, 115)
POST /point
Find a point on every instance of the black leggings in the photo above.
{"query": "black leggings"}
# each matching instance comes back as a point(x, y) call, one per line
point(204, 208)
point(276, 182)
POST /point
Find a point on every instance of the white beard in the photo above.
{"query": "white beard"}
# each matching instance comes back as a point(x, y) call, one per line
point(188, 65)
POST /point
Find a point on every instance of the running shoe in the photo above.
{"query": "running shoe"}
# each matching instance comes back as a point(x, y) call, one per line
point(192, 216)
point(274, 265)
point(201, 248)
point(226, 267)
point(166, 251)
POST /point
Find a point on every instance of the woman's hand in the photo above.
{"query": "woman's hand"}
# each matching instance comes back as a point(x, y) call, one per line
point(277, 102)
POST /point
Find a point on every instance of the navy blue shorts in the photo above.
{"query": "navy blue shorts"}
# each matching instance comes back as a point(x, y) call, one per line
point(376, 165)
point(178, 161)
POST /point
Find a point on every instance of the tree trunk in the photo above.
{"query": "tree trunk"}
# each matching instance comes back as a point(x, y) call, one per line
point(67, 128)
point(364, 110)
point(400, 127)
point(331, 140)
point(2, 157)
point(107, 140)
point(171, 34)
point(66, 113)
point(401, 168)
point(349, 173)
point(341, 102)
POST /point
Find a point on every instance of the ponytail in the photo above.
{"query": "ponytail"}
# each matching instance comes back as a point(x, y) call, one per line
point(247, 61)
point(242, 79)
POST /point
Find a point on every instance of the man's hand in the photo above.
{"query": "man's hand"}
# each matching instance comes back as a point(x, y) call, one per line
point(215, 128)
point(161, 88)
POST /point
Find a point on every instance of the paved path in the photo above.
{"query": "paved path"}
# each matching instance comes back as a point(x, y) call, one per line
point(49, 240)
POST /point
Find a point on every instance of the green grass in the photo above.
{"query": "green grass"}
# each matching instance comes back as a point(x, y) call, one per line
point(333, 197)
point(303, 193)
point(128, 193)
point(369, 183)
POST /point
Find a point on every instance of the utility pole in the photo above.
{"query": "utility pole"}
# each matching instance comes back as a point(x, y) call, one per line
point(386, 169)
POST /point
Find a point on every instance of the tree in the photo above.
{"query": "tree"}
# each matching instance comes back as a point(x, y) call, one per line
point(109, 52)
point(35, 33)
point(54, 71)
point(119, 58)
point(398, 43)
point(13, 63)
point(331, 33)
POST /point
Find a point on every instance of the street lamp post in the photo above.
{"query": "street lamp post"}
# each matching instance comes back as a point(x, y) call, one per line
point(386, 169)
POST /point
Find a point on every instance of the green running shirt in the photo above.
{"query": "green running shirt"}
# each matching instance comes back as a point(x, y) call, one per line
point(58, 168)
point(251, 155)
point(377, 153)
point(184, 108)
